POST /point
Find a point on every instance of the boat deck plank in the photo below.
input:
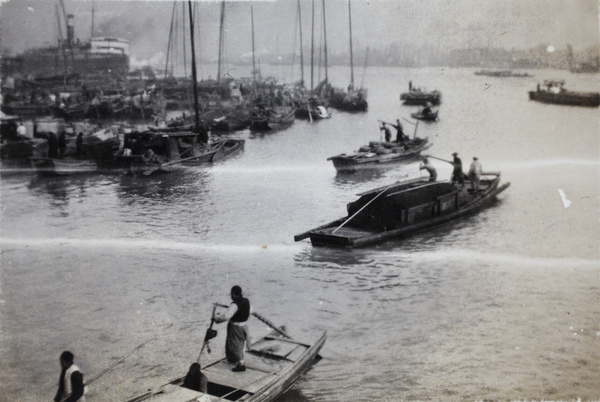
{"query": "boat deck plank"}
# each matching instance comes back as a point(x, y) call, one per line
point(259, 372)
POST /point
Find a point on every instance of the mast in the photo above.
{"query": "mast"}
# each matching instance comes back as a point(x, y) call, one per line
point(169, 43)
point(92, 32)
point(325, 40)
point(184, 41)
point(204, 137)
point(351, 56)
point(69, 39)
point(312, 48)
point(61, 39)
point(253, 61)
point(221, 39)
point(301, 51)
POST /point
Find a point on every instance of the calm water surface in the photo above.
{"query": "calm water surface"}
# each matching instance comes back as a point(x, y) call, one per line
point(502, 305)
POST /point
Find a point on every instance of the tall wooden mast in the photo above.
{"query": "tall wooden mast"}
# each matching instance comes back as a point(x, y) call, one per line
point(325, 40)
point(301, 51)
point(204, 135)
point(221, 32)
point(351, 56)
point(253, 57)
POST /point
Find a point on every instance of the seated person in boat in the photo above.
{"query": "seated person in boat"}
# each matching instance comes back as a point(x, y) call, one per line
point(426, 165)
point(427, 110)
point(195, 379)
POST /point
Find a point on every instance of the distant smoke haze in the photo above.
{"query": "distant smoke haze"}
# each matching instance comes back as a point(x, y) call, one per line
point(512, 24)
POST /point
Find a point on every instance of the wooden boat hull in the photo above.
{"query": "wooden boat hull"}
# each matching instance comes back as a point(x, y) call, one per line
point(171, 151)
point(314, 113)
point(589, 99)
point(425, 117)
point(278, 118)
point(273, 364)
point(348, 163)
point(428, 204)
point(220, 150)
point(64, 167)
point(502, 74)
point(421, 98)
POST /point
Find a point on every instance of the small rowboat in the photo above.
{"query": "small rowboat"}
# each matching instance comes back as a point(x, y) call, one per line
point(379, 155)
point(275, 118)
point(402, 209)
point(273, 364)
point(431, 116)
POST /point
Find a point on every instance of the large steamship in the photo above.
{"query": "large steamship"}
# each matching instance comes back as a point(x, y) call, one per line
point(71, 56)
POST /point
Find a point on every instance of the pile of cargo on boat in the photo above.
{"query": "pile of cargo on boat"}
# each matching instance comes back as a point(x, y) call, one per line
point(402, 209)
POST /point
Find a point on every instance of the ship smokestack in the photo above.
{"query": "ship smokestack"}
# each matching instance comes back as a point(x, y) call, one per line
point(70, 29)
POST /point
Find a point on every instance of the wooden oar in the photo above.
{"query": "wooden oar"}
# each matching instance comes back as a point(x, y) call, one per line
point(207, 336)
point(439, 159)
point(263, 319)
point(91, 380)
point(154, 169)
point(363, 207)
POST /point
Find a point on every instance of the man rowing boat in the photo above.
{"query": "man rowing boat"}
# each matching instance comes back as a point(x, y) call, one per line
point(237, 328)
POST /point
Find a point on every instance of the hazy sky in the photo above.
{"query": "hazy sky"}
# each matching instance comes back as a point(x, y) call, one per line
point(375, 23)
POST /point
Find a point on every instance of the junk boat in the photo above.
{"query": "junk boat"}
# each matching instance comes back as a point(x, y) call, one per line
point(164, 151)
point(273, 364)
point(402, 209)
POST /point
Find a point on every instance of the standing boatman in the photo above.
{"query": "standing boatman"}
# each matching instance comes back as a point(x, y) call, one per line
point(400, 136)
point(237, 328)
point(429, 167)
point(475, 174)
point(457, 172)
point(386, 130)
point(70, 384)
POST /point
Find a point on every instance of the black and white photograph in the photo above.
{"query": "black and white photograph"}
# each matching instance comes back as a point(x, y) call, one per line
point(300, 200)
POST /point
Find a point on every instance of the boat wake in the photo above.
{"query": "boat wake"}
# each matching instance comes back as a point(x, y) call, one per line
point(159, 244)
point(469, 257)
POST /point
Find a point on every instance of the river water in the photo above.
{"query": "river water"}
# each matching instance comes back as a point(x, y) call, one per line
point(504, 304)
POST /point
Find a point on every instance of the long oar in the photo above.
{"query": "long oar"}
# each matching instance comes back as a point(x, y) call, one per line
point(91, 380)
point(363, 207)
point(263, 319)
point(154, 169)
point(439, 159)
point(208, 336)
